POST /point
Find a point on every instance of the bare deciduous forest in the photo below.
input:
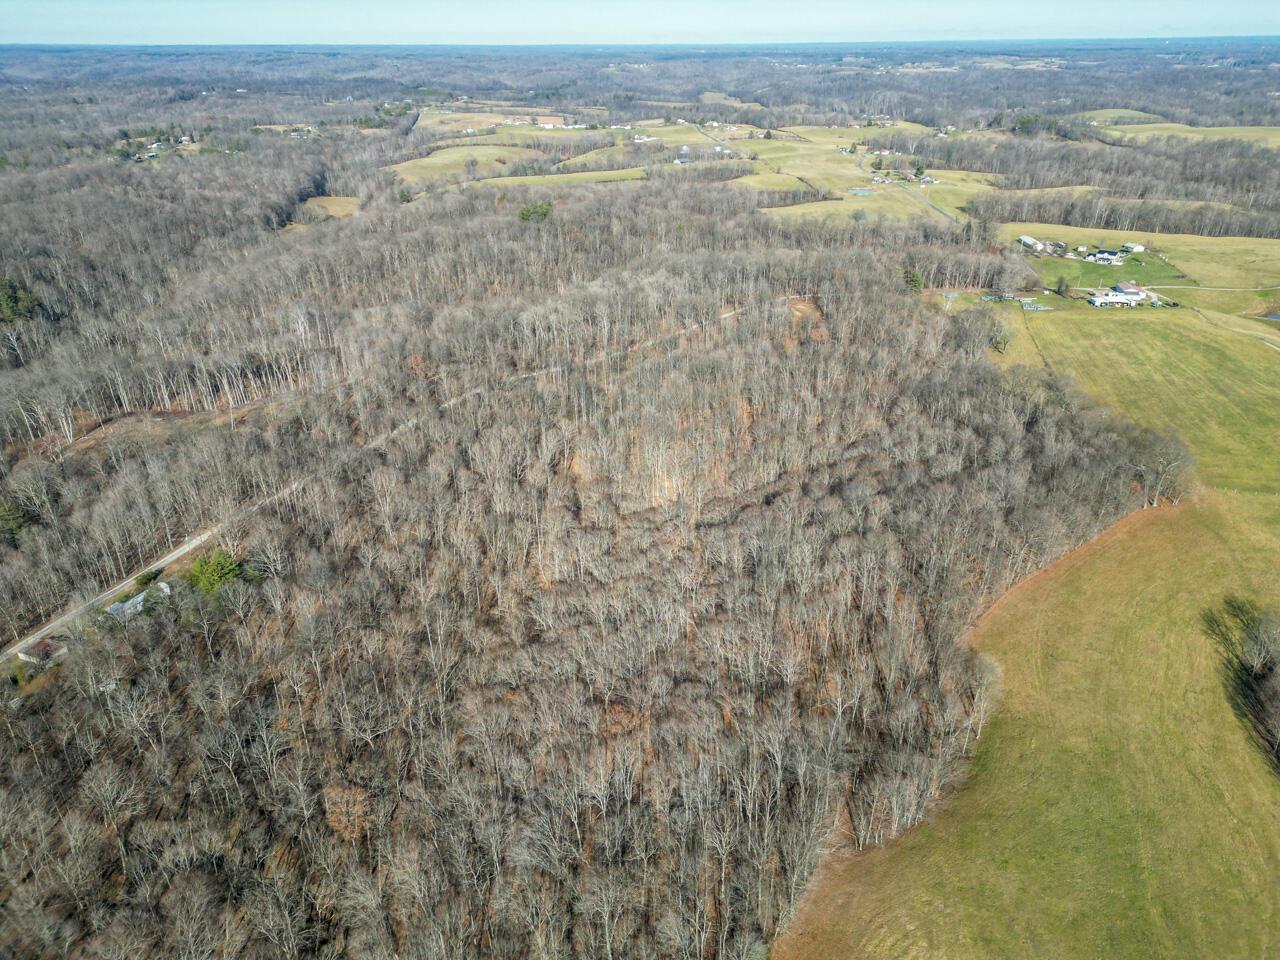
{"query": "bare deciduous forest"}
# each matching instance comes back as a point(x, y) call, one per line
point(626, 549)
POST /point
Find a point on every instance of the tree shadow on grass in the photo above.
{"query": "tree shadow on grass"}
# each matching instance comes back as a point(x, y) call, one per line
point(1250, 671)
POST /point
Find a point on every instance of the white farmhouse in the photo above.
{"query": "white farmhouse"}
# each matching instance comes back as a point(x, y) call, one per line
point(1113, 298)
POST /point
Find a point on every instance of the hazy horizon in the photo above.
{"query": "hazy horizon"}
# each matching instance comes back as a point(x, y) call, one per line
point(573, 23)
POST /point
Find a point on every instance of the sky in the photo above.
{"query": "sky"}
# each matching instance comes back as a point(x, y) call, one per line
point(608, 21)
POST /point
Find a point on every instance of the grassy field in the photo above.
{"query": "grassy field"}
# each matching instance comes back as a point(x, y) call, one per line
point(1267, 136)
point(340, 207)
point(1117, 807)
point(1171, 369)
point(452, 162)
point(525, 134)
point(1147, 269)
point(1118, 116)
point(886, 201)
point(564, 179)
point(679, 135)
point(1242, 303)
point(591, 156)
point(956, 188)
point(449, 121)
point(767, 180)
point(712, 96)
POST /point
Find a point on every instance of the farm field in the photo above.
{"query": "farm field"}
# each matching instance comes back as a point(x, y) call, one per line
point(768, 180)
point(563, 179)
point(591, 157)
point(445, 121)
point(340, 207)
point(956, 188)
point(521, 135)
point(1117, 807)
point(820, 165)
point(1119, 115)
point(1169, 369)
point(885, 201)
point(1244, 303)
point(452, 162)
point(680, 135)
point(1266, 136)
point(712, 96)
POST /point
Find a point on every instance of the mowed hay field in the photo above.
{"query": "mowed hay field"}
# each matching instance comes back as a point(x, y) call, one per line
point(1118, 115)
point(564, 179)
point(1217, 388)
point(769, 181)
point(452, 162)
point(1117, 807)
point(1265, 136)
point(458, 120)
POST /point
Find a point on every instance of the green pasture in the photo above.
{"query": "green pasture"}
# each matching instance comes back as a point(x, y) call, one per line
point(1265, 136)
point(453, 162)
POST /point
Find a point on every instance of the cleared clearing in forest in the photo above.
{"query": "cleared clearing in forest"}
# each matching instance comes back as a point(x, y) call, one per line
point(340, 207)
point(454, 161)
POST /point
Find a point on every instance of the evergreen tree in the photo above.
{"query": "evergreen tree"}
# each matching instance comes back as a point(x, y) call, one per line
point(15, 303)
point(212, 570)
